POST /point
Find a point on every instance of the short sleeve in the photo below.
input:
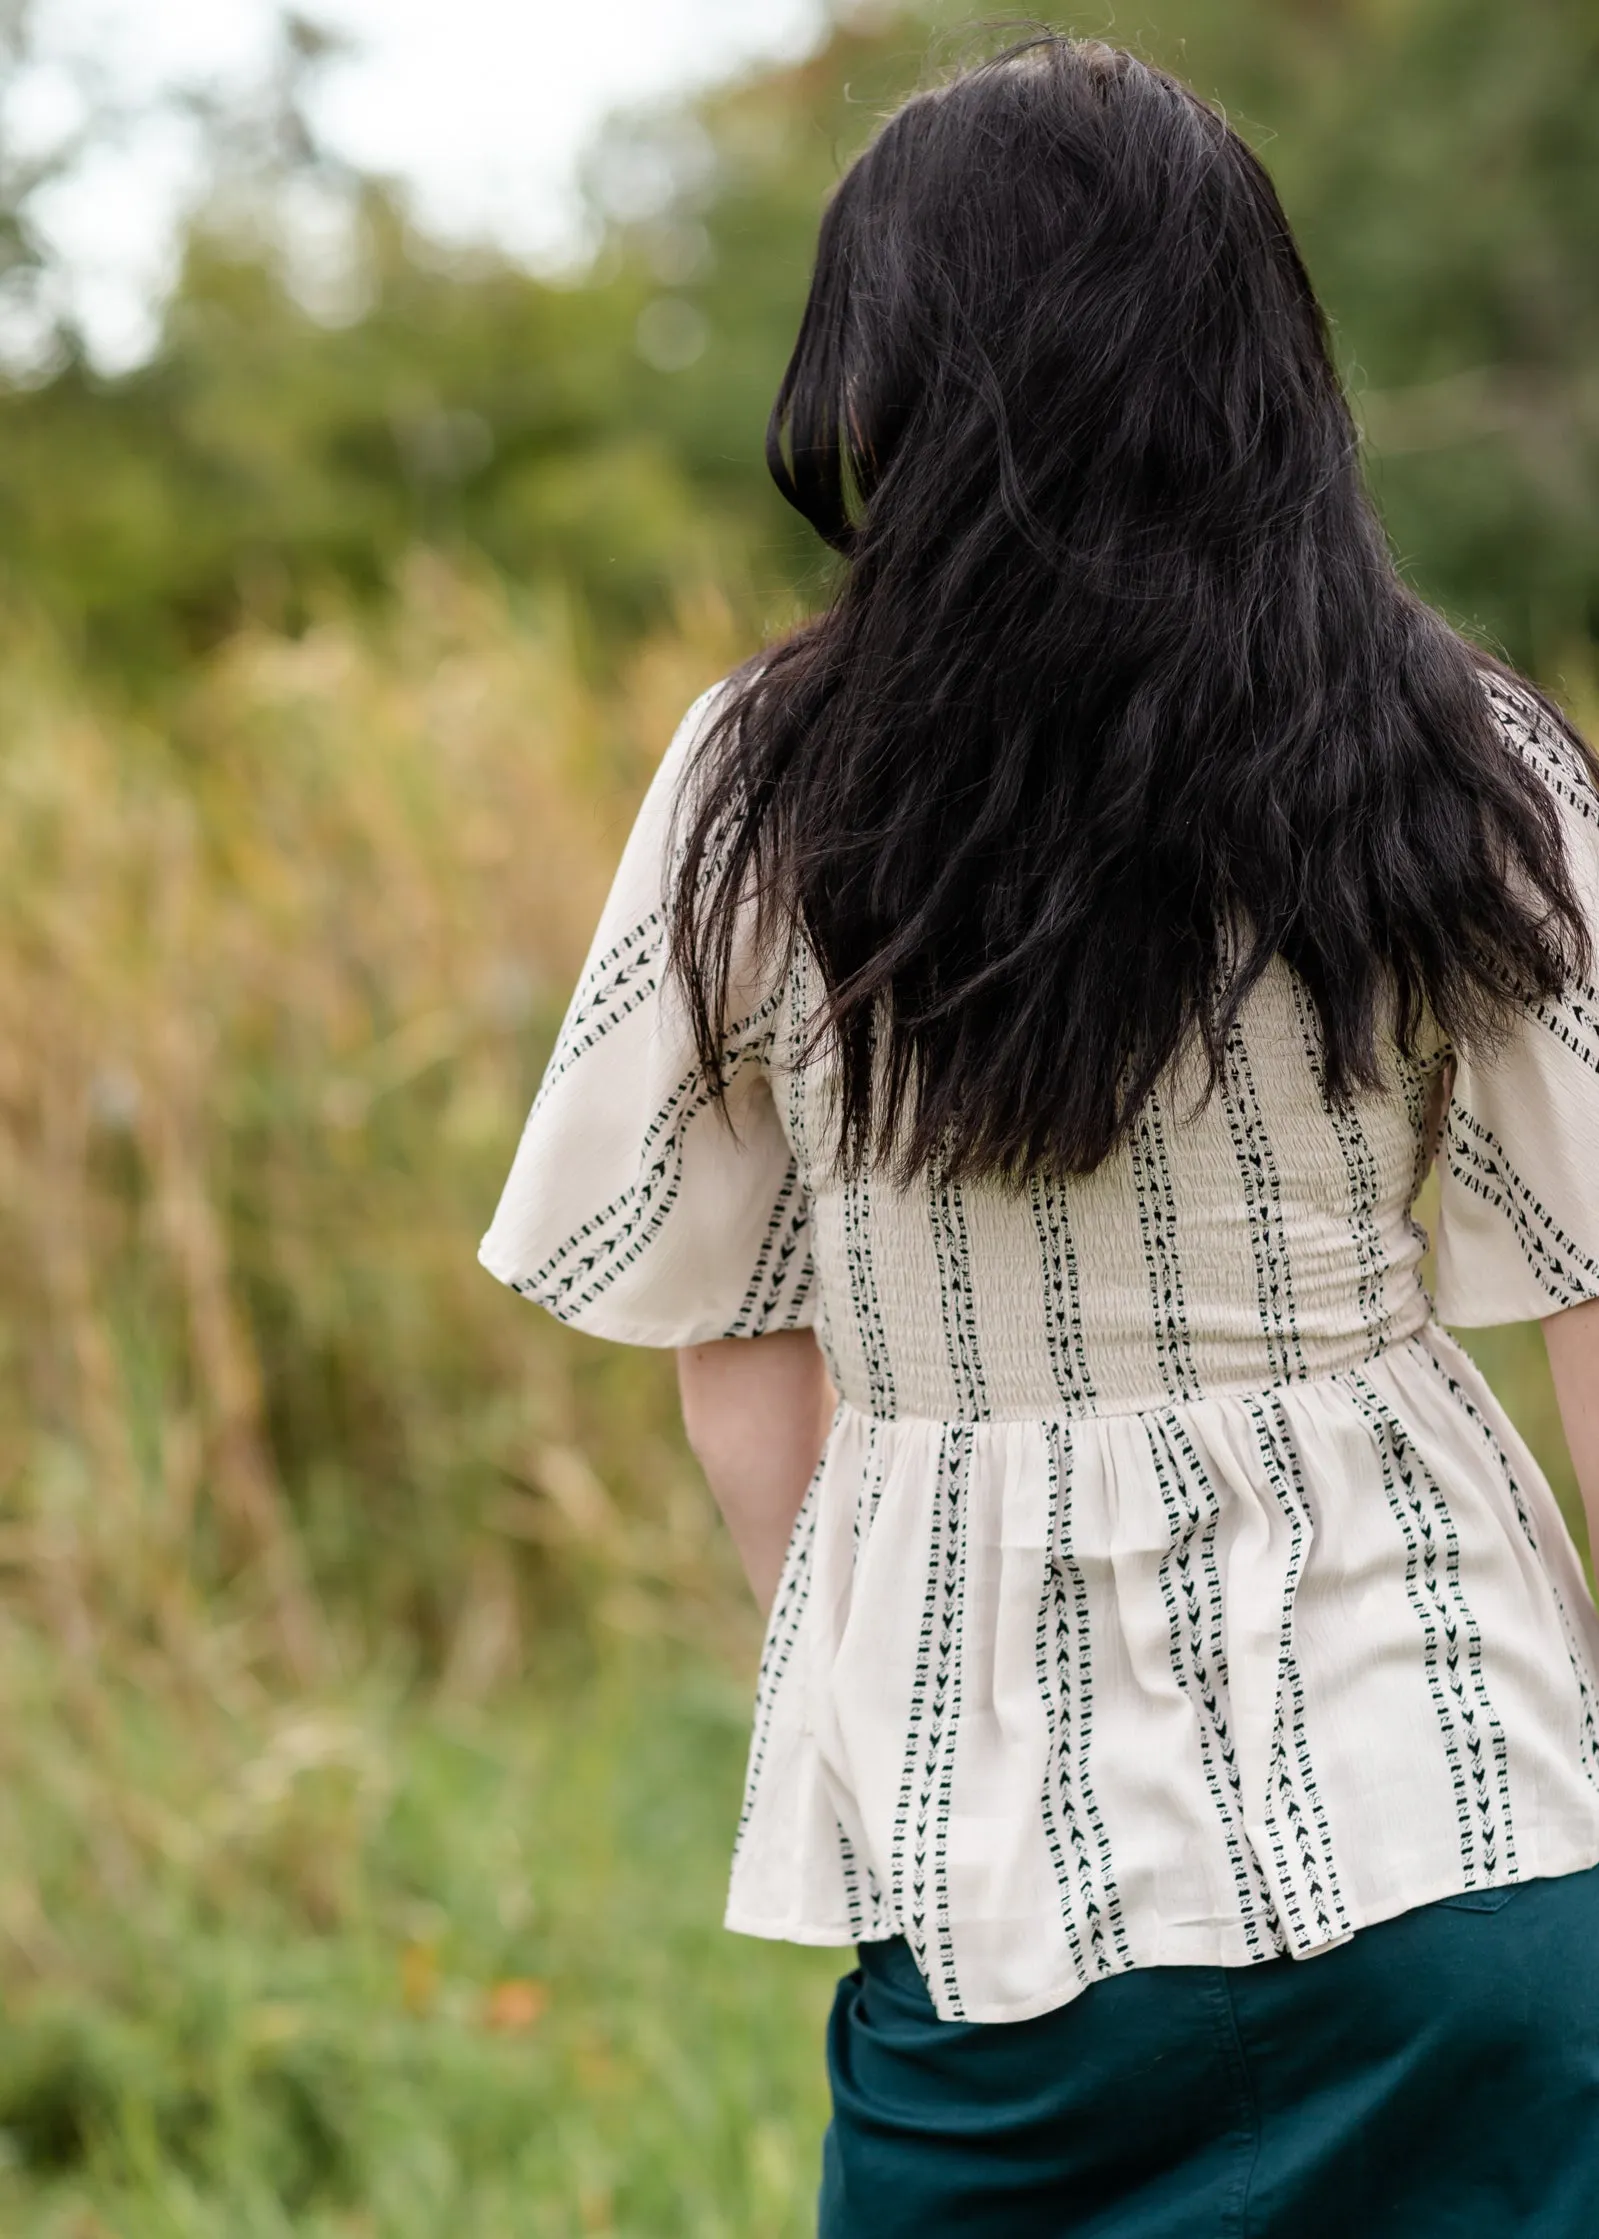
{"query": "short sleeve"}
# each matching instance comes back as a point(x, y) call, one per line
point(633, 1210)
point(1518, 1232)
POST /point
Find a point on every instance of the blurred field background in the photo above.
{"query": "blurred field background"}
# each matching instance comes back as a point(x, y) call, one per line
point(374, 1672)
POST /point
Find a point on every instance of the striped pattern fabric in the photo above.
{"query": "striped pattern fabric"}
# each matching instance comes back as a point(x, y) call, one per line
point(1171, 1589)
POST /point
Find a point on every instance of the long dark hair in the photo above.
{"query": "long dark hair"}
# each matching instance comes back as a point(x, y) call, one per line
point(1120, 695)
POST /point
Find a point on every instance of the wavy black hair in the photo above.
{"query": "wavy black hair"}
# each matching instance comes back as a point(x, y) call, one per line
point(1120, 694)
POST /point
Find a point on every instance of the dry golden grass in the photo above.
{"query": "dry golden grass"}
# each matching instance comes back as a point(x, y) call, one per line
point(276, 980)
point(278, 1927)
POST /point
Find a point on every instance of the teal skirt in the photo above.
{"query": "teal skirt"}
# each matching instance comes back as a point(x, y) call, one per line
point(1437, 2075)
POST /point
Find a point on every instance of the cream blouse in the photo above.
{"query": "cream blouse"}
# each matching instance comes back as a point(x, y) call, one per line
point(1172, 1588)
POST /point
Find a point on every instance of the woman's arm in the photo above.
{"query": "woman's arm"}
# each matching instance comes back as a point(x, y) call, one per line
point(756, 1410)
point(1572, 1340)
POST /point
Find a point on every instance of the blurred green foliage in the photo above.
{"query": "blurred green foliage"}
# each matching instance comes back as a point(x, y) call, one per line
point(1435, 156)
point(403, 1969)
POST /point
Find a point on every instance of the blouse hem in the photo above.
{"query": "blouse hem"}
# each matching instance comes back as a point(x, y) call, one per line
point(1199, 1948)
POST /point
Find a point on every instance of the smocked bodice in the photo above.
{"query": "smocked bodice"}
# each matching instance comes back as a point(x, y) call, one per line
point(1251, 1236)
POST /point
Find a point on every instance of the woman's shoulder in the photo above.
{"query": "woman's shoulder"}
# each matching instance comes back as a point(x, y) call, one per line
point(1539, 736)
point(683, 746)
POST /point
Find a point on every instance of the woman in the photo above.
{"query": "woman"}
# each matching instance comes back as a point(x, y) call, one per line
point(1029, 1004)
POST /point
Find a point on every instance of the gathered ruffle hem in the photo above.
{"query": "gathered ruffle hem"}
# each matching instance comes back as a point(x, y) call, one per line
point(1200, 1684)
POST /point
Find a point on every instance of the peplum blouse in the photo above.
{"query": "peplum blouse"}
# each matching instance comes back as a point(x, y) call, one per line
point(1171, 1588)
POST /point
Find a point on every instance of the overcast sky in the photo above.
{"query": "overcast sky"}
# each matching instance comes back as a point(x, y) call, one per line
point(481, 106)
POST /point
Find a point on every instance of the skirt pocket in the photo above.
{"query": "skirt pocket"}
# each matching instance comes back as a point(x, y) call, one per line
point(1480, 1900)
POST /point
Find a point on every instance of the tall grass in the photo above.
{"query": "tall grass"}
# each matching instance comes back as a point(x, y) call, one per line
point(277, 973)
point(276, 981)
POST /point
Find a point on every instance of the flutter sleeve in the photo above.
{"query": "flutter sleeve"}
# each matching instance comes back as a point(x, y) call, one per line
point(1518, 1235)
point(632, 1210)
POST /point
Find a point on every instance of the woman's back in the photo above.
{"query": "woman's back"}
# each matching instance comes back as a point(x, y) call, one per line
point(1172, 1588)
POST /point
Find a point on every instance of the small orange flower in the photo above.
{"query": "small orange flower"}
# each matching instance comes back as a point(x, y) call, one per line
point(515, 2005)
